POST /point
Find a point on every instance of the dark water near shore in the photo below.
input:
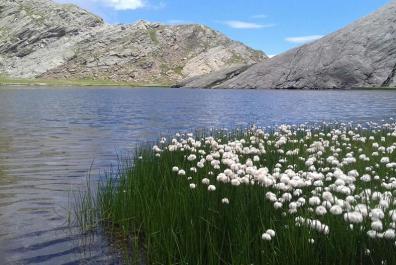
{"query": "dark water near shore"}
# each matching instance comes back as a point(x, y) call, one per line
point(50, 137)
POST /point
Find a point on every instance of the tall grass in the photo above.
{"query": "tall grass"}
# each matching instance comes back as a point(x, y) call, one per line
point(168, 222)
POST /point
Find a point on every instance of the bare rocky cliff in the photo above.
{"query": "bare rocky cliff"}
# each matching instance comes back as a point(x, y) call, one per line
point(44, 39)
point(362, 54)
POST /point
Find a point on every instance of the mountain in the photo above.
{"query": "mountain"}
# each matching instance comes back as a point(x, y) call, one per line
point(362, 54)
point(44, 39)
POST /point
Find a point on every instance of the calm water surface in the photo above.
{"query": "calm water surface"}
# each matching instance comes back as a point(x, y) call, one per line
point(50, 137)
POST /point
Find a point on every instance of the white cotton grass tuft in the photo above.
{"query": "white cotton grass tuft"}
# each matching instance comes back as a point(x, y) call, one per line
point(225, 201)
point(266, 237)
point(270, 232)
point(211, 188)
point(341, 174)
point(205, 181)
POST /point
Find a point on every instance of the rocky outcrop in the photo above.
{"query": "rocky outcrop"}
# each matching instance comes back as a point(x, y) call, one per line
point(40, 38)
point(362, 54)
point(212, 79)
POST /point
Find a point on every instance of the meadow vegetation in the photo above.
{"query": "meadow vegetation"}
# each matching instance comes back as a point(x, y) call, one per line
point(295, 194)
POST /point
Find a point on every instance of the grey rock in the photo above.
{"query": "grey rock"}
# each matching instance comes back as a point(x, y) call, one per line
point(362, 54)
point(212, 79)
point(41, 38)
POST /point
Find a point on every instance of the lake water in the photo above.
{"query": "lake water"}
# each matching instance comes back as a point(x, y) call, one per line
point(49, 138)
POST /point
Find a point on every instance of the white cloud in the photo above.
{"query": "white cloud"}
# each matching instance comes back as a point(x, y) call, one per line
point(303, 39)
point(115, 4)
point(236, 24)
point(259, 16)
point(123, 4)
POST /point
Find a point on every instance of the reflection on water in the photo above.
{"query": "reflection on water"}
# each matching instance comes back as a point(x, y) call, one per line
point(50, 137)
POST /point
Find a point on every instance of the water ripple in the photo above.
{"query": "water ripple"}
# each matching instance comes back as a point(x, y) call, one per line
point(50, 137)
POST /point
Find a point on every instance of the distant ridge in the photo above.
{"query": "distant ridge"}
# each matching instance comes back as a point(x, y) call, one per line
point(44, 39)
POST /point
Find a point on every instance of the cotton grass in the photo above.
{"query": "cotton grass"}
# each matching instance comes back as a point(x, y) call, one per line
point(297, 194)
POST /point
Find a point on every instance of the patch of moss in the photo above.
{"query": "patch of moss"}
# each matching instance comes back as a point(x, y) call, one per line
point(153, 36)
point(178, 70)
point(164, 68)
point(40, 19)
point(236, 58)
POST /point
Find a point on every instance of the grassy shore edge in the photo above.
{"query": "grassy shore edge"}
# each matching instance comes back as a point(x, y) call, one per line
point(81, 83)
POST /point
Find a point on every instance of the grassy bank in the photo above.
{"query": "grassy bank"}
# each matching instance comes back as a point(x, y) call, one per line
point(374, 88)
point(294, 195)
point(5, 81)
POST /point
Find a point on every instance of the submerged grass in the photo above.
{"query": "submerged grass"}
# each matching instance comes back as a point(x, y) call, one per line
point(210, 199)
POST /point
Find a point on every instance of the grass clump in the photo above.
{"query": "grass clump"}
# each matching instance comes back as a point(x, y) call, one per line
point(295, 195)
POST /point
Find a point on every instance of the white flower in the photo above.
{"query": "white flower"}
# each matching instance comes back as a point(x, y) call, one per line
point(225, 201)
point(372, 233)
point(336, 210)
point(311, 241)
point(191, 157)
point(353, 217)
point(235, 182)
point(278, 205)
point(271, 196)
point(256, 158)
point(384, 160)
point(181, 172)
point(287, 196)
point(205, 181)
point(156, 149)
point(377, 214)
point(366, 178)
point(270, 232)
point(211, 188)
point(249, 163)
point(377, 225)
point(328, 196)
point(320, 210)
point(389, 234)
point(175, 169)
point(192, 186)
point(200, 164)
point(266, 237)
point(313, 201)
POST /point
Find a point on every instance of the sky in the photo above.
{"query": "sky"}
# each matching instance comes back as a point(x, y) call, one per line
point(268, 25)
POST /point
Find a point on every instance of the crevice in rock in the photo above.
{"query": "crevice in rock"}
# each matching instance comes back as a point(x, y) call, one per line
point(387, 82)
point(229, 76)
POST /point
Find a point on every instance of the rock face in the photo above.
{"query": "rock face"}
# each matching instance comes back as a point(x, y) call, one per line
point(362, 54)
point(40, 38)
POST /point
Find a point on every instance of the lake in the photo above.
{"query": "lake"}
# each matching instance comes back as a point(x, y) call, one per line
point(51, 138)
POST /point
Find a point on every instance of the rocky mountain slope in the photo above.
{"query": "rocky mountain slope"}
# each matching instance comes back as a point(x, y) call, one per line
point(362, 54)
point(44, 39)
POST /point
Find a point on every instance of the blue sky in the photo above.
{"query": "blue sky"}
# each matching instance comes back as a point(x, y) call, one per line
point(268, 25)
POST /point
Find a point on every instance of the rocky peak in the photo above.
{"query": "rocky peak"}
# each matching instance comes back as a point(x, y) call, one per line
point(363, 54)
point(40, 38)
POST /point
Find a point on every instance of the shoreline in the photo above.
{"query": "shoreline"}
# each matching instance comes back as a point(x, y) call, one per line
point(109, 83)
point(78, 83)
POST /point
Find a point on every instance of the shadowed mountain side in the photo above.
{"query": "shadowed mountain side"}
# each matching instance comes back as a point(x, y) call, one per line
point(362, 54)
